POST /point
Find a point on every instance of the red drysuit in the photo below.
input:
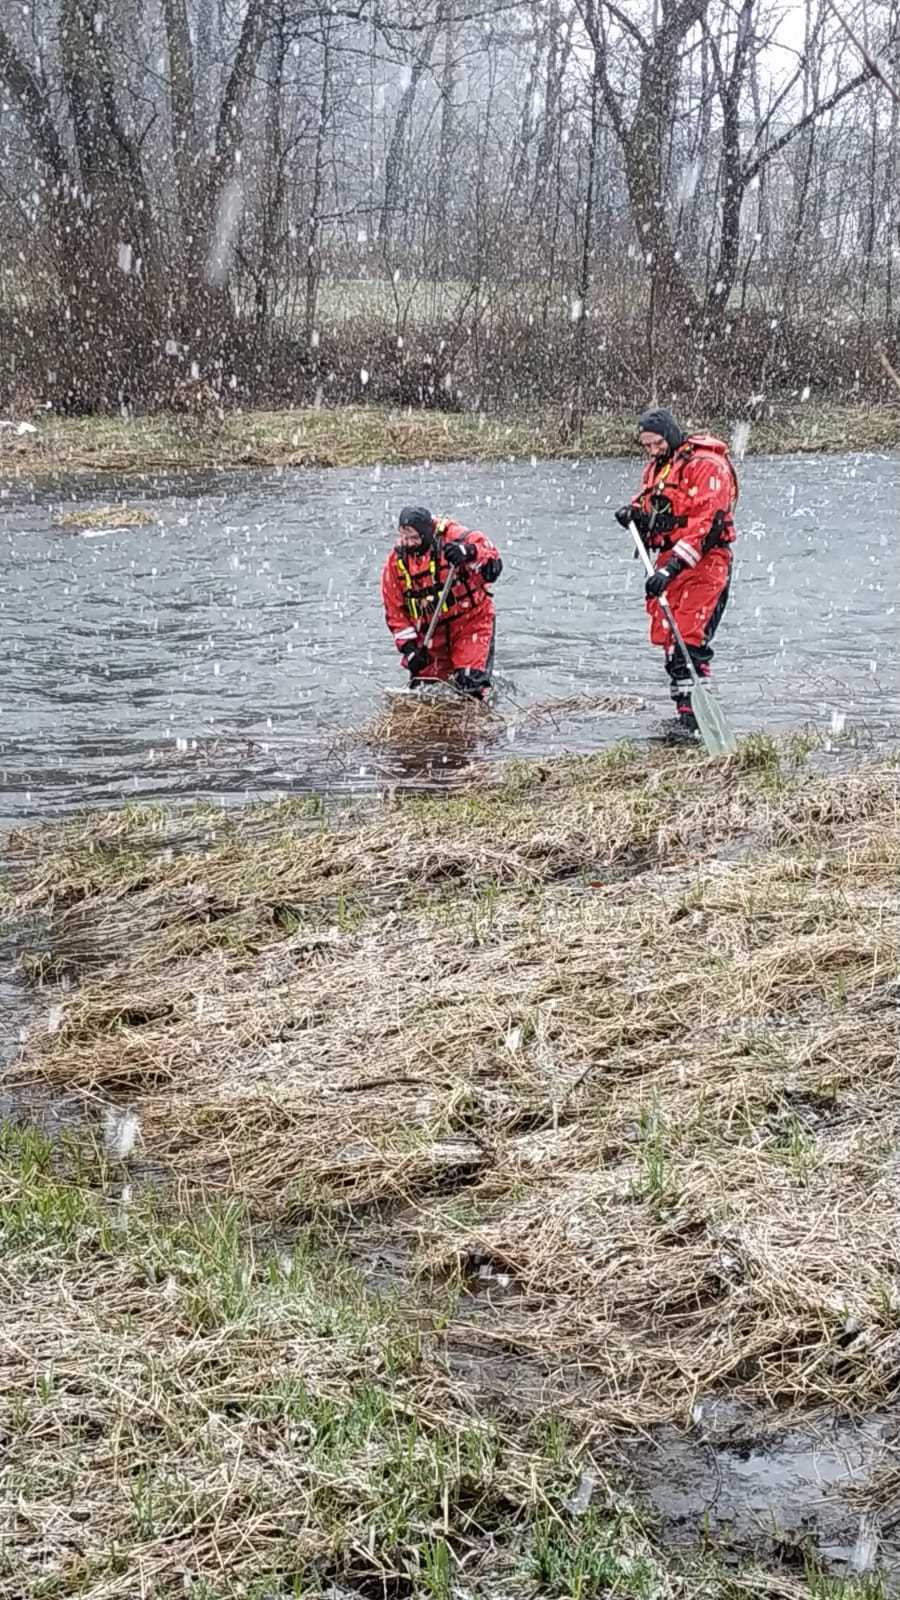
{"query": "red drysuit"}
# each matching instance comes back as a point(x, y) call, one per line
point(687, 504)
point(411, 583)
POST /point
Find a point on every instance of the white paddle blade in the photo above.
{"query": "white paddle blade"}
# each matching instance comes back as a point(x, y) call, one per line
point(715, 730)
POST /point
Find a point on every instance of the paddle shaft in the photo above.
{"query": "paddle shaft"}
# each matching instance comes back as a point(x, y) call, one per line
point(439, 608)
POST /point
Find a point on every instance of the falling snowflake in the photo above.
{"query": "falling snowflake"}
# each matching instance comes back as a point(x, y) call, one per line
point(690, 177)
point(740, 438)
point(224, 243)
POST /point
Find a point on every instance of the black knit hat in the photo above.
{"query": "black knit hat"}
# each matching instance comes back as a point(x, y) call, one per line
point(659, 420)
point(417, 517)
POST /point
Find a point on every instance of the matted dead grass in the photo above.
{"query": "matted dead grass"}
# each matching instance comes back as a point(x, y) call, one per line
point(119, 515)
point(624, 1024)
point(455, 720)
point(599, 1054)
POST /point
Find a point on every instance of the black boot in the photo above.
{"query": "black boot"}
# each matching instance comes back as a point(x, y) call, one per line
point(681, 729)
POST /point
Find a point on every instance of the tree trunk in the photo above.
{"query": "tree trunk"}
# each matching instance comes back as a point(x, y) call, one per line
point(271, 202)
point(113, 299)
point(733, 185)
point(528, 120)
point(393, 166)
point(892, 226)
point(644, 142)
point(763, 214)
point(576, 412)
point(313, 253)
point(443, 254)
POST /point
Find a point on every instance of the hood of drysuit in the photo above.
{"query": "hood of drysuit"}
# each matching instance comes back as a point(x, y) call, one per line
point(421, 519)
point(660, 420)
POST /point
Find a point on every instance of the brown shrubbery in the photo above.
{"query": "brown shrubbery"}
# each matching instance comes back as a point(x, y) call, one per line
point(509, 362)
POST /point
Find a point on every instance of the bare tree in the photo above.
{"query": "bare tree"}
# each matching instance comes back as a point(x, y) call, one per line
point(569, 197)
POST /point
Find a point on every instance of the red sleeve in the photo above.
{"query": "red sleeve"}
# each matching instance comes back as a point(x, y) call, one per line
point(395, 612)
point(708, 487)
point(487, 551)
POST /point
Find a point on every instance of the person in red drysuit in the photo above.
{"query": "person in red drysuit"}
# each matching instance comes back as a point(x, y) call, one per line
point(684, 513)
point(462, 646)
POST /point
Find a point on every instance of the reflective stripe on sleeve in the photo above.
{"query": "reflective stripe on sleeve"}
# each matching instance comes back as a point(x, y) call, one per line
point(685, 552)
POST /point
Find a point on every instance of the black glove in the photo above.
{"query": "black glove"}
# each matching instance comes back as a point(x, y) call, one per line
point(491, 569)
point(415, 659)
point(473, 681)
point(629, 513)
point(458, 553)
point(661, 578)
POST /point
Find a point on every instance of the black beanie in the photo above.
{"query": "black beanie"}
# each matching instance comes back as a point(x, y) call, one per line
point(417, 517)
point(659, 420)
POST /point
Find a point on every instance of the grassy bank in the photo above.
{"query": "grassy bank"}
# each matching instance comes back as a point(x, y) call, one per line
point(368, 436)
point(486, 1133)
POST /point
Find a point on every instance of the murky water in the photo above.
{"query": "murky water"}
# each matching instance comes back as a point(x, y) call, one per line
point(225, 648)
point(807, 1490)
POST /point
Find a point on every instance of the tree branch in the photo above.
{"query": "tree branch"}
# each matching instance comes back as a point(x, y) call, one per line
point(816, 111)
point(625, 22)
point(34, 106)
point(872, 66)
point(678, 22)
point(779, 100)
point(590, 17)
point(237, 90)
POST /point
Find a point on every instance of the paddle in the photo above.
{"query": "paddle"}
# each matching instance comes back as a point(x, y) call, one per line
point(451, 574)
point(715, 730)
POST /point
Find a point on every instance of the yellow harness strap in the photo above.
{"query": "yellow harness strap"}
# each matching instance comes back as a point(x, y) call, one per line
point(414, 610)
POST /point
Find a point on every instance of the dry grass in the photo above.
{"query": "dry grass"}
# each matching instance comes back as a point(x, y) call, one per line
point(622, 1028)
point(419, 720)
point(367, 436)
point(194, 1407)
point(114, 516)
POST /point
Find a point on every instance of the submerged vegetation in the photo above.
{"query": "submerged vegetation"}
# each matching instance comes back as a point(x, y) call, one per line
point(428, 1151)
point(371, 436)
point(116, 516)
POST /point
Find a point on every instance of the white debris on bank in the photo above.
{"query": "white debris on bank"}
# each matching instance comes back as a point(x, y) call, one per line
point(121, 1133)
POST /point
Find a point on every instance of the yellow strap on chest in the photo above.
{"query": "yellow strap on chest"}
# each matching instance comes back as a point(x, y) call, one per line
point(414, 610)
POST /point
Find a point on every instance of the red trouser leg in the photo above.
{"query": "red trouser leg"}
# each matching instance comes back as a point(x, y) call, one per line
point(440, 665)
point(464, 643)
point(698, 598)
point(472, 640)
point(695, 598)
